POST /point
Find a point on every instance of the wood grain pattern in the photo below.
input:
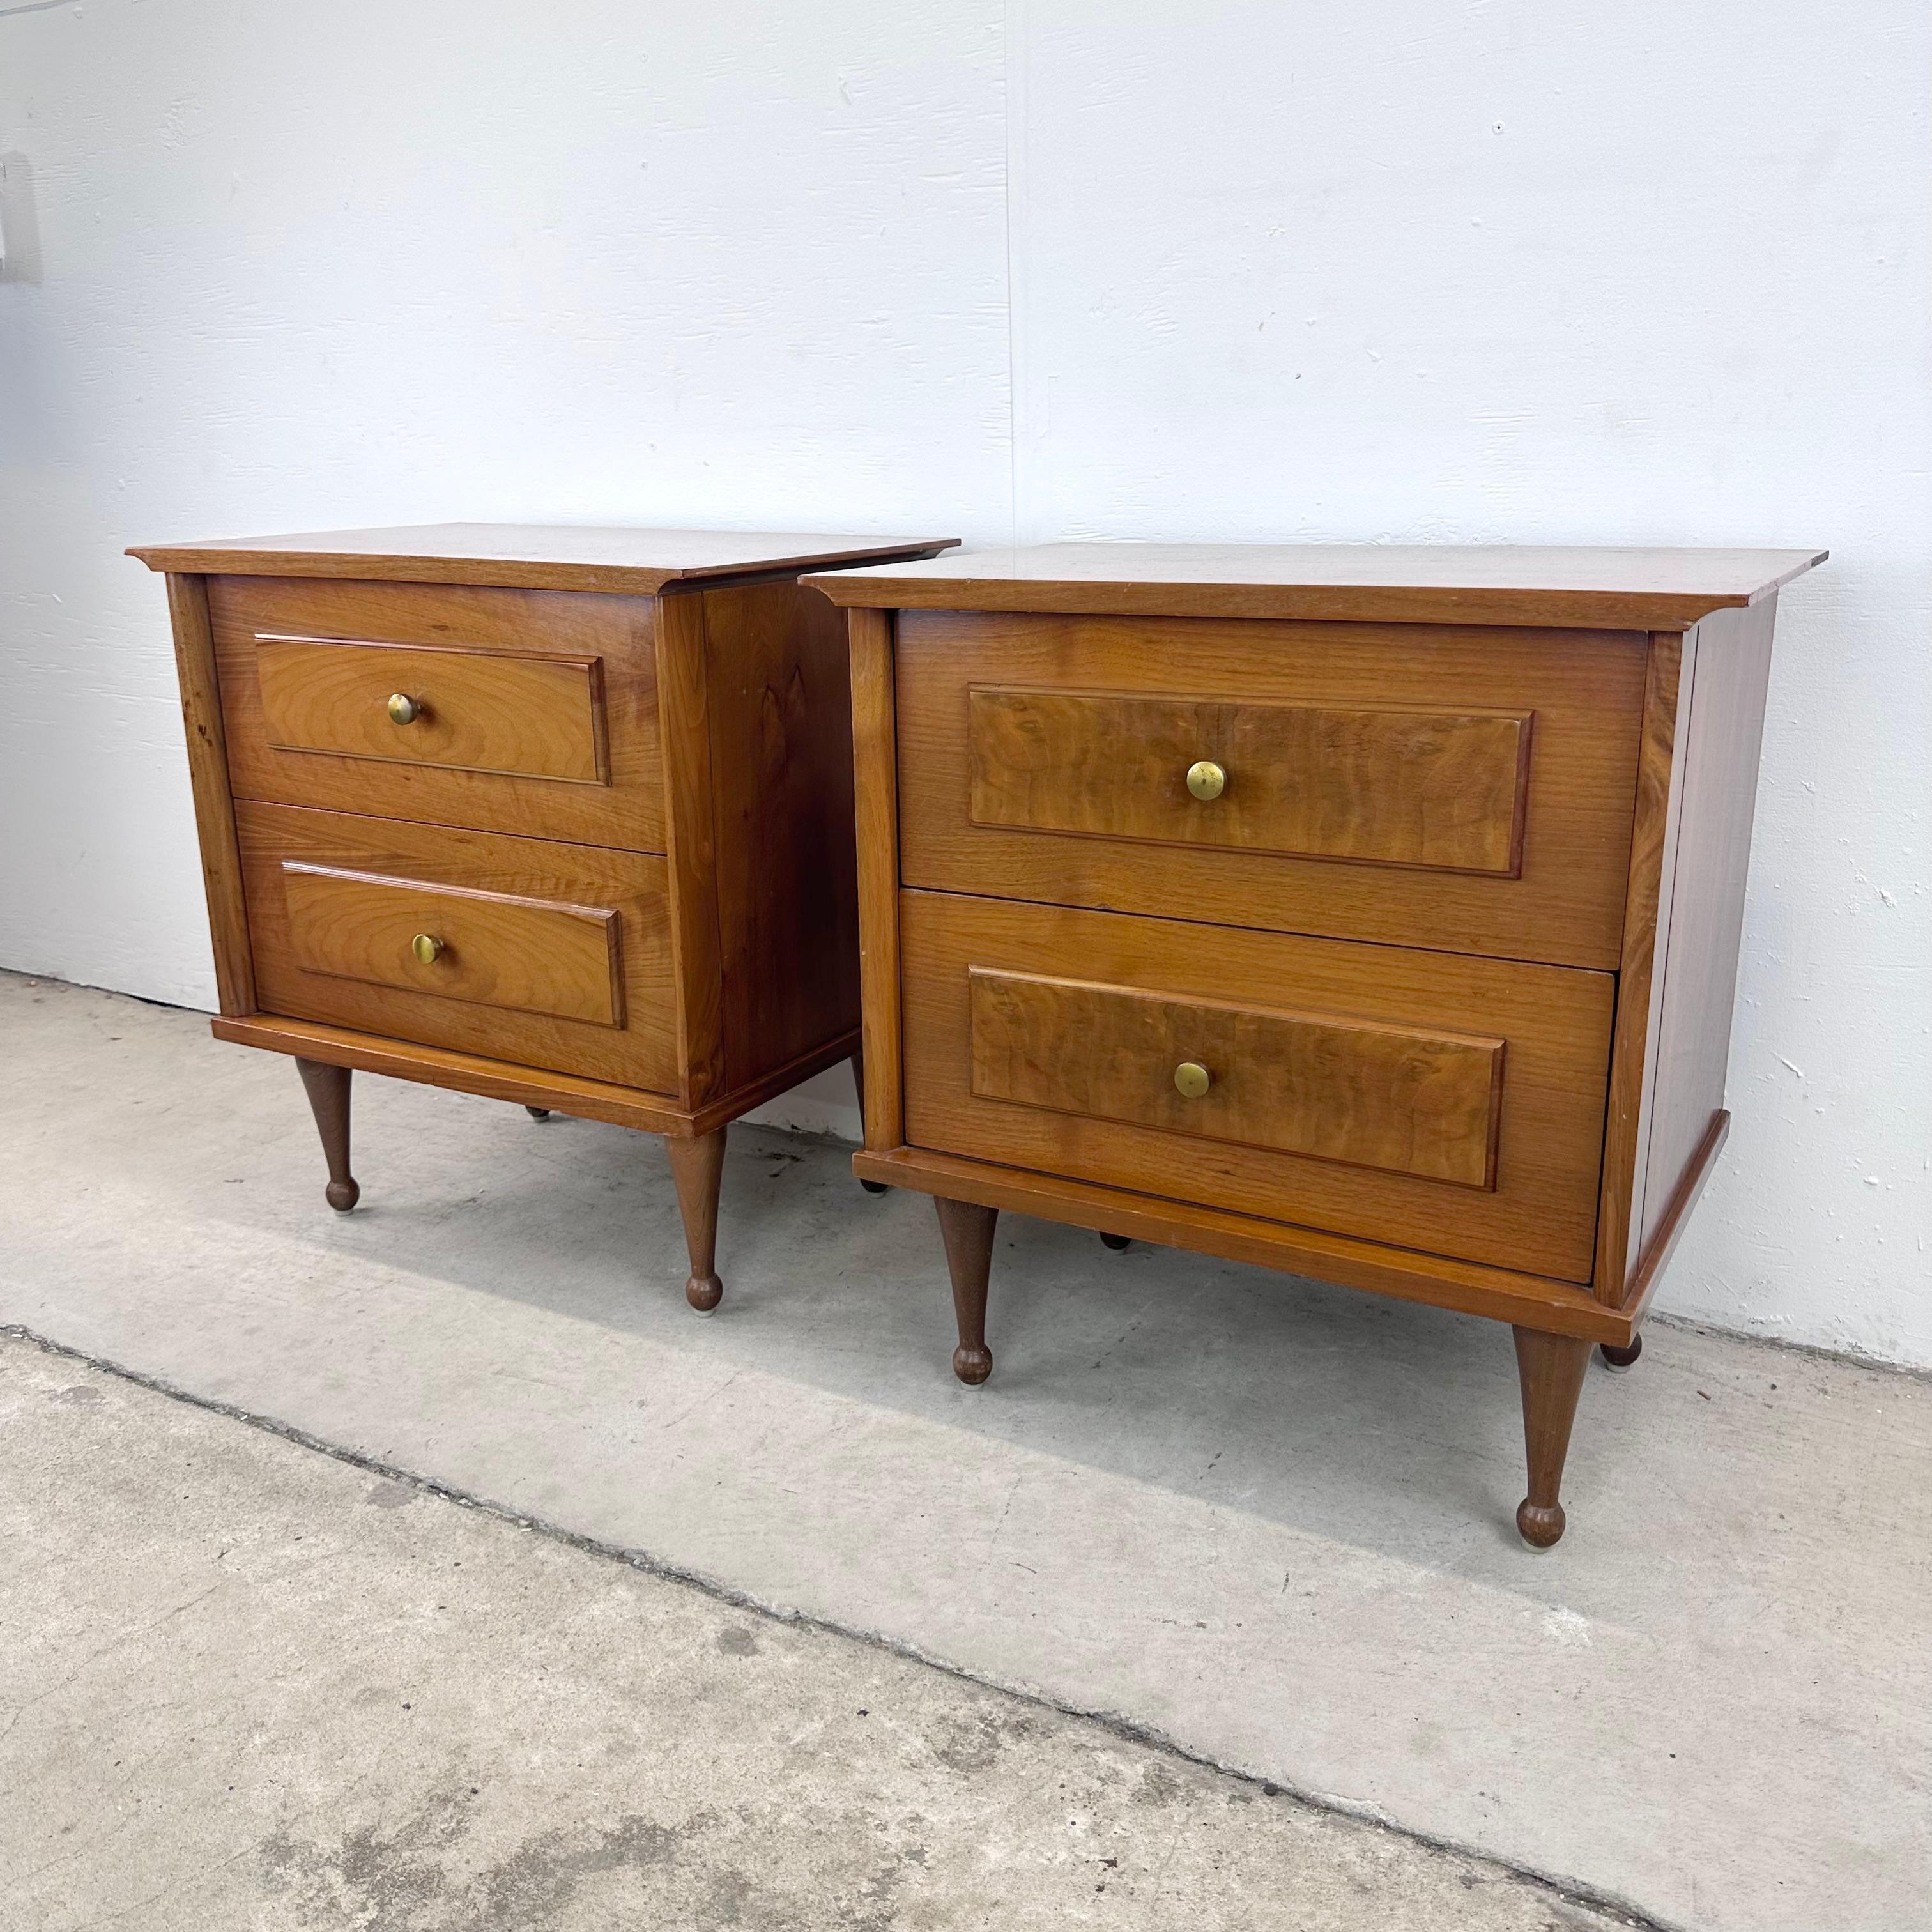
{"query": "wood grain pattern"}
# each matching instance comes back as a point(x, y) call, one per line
point(524, 717)
point(632, 886)
point(1382, 1268)
point(461, 1072)
point(1397, 787)
point(213, 809)
point(1565, 904)
point(1433, 583)
point(1541, 1215)
point(555, 556)
point(779, 710)
point(696, 947)
point(616, 634)
point(1716, 807)
point(1410, 1102)
point(1669, 678)
point(504, 1080)
point(875, 768)
point(524, 955)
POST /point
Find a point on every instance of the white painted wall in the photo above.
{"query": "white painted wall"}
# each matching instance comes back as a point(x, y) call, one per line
point(1523, 272)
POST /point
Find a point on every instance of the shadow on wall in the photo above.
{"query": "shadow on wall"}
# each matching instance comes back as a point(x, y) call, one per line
point(19, 222)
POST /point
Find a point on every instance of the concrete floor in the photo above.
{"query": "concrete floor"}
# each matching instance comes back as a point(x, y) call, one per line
point(1267, 1519)
point(249, 1685)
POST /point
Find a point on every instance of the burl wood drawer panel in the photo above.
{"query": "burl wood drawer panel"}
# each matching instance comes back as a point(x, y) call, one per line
point(1454, 1105)
point(1409, 1100)
point(1418, 785)
point(531, 711)
point(549, 956)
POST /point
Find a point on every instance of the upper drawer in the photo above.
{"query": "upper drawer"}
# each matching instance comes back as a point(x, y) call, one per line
point(1391, 787)
point(521, 711)
point(473, 711)
point(1465, 789)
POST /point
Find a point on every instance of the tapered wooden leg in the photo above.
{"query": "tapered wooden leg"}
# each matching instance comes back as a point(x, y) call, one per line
point(858, 1080)
point(328, 1089)
point(1617, 1360)
point(697, 1167)
point(1550, 1369)
point(967, 1231)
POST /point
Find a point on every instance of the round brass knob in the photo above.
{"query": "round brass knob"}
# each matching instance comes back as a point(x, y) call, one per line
point(1206, 779)
point(404, 709)
point(427, 947)
point(1192, 1080)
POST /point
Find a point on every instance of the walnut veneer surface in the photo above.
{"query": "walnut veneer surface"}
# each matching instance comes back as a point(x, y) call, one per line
point(560, 816)
point(1369, 911)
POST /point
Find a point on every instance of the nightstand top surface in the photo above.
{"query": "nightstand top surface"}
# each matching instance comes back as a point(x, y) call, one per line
point(1475, 584)
point(542, 556)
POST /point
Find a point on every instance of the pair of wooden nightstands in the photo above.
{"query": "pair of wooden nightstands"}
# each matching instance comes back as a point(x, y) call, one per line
point(558, 816)
point(1367, 913)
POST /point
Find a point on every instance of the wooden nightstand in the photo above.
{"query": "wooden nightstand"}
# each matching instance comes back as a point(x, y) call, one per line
point(560, 816)
point(1369, 912)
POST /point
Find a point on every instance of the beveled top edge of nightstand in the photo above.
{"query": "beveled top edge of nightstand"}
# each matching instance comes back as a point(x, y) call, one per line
point(1624, 589)
point(540, 556)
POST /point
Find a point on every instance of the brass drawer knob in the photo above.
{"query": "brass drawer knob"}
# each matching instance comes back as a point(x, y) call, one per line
point(1192, 1080)
point(1205, 778)
point(404, 709)
point(427, 947)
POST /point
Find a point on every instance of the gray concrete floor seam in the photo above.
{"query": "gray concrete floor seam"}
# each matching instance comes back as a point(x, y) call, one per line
point(1128, 1730)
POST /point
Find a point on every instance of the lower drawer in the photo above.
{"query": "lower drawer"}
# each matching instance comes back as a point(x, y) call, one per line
point(550, 955)
point(1427, 1100)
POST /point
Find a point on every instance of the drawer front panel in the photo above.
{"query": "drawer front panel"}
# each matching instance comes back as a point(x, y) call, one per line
point(536, 711)
point(526, 956)
point(548, 955)
point(1429, 785)
point(534, 717)
point(1431, 1100)
point(1407, 1099)
point(1440, 789)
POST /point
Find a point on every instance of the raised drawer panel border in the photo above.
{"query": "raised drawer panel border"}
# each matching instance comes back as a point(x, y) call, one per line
point(500, 949)
point(534, 716)
point(1440, 789)
point(1405, 1100)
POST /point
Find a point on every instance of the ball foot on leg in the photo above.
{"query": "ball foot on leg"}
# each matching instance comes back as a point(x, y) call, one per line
point(875, 1187)
point(538, 1113)
point(1539, 1526)
point(1118, 1243)
point(1617, 1360)
point(972, 1366)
